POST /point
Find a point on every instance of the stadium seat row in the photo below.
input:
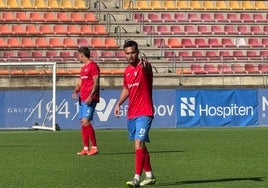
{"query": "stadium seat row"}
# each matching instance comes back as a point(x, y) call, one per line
point(206, 29)
point(46, 29)
point(57, 42)
point(175, 42)
point(211, 55)
point(59, 55)
point(22, 16)
point(44, 4)
point(36, 72)
point(195, 5)
point(219, 17)
point(235, 68)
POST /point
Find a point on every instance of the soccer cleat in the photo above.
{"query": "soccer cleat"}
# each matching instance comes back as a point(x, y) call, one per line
point(133, 183)
point(93, 151)
point(83, 152)
point(147, 181)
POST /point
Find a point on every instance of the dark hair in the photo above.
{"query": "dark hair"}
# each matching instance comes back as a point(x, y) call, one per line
point(84, 50)
point(130, 43)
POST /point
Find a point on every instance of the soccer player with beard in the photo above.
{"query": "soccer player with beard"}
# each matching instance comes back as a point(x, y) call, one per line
point(137, 88)
point(88, 88)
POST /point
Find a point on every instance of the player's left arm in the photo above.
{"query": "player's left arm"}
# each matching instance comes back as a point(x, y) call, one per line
point(95, 88)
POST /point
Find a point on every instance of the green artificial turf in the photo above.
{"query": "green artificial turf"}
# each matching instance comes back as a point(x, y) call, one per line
point(196, 157)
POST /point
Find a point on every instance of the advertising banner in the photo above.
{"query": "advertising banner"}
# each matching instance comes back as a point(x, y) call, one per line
point(263, 107)
point(22, 109)
point(218, 107)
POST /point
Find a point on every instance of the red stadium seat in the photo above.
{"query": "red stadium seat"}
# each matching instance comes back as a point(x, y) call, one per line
point(31, 29)
point(111, 43)
point(257, 30)
point(55, 42)
point(239, 55)
point(225, 55)
point(166, 17)
point(69, 43)
point(229, 30)
point(36, 16)
point(27, 42)
point(246, 17)
point(22, 17)
point(153, 17)
point(212, 55)
point(201, 43)
point(176, 29)
point(232, 17)
point(59, 29)
point(220, 17)
point(45, 29)
point(190, 30)
point(173, 43)
point(254, 42)
point(251, 68)
point(197, 69)
point(86, 30)
point(50, 17)
point(97, 43)
point(18, 30)
point(206, 17)
point(187, 43)
point(194, 17)
point(82, 42)
point(41, 42)
point(204, 30)
point(180, 17)
point(224, 69)
point(8, 17)
point(262, 68)
point(214, 42)
point(265, 42)
point(237, 68)
point(13, 42)
point(73, 30)
point(185, 56)
point(100, 30)
point(217, 30)
point(210, 69)
point(163, 30)
point(90, 17)
point(4, 29)
point(243, 30)
point(63, 17)
point(258, 17)
point(227, 42)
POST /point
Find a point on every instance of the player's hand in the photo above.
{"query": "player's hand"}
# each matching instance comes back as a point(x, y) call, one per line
point(145, 64)
point(74, 95)
point(117, 111)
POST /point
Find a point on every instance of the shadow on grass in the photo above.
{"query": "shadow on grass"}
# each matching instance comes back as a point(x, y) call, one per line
point(210, 181)
point(128, 153)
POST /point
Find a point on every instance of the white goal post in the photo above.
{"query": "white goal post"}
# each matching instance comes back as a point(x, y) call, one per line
point(23, 77)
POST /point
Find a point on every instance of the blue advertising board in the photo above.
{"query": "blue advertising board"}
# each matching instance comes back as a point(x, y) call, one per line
point(218, 107)
point(263, 107)
point(26, 108)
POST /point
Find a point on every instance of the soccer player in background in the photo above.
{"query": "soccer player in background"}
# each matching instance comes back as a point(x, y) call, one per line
point(88, 87)
point(137, 88)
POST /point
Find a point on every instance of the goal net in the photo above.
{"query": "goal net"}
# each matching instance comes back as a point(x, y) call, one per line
point(28, 95)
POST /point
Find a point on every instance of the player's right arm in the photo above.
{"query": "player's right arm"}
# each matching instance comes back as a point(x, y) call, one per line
point(76, 89)
point(124, 95)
